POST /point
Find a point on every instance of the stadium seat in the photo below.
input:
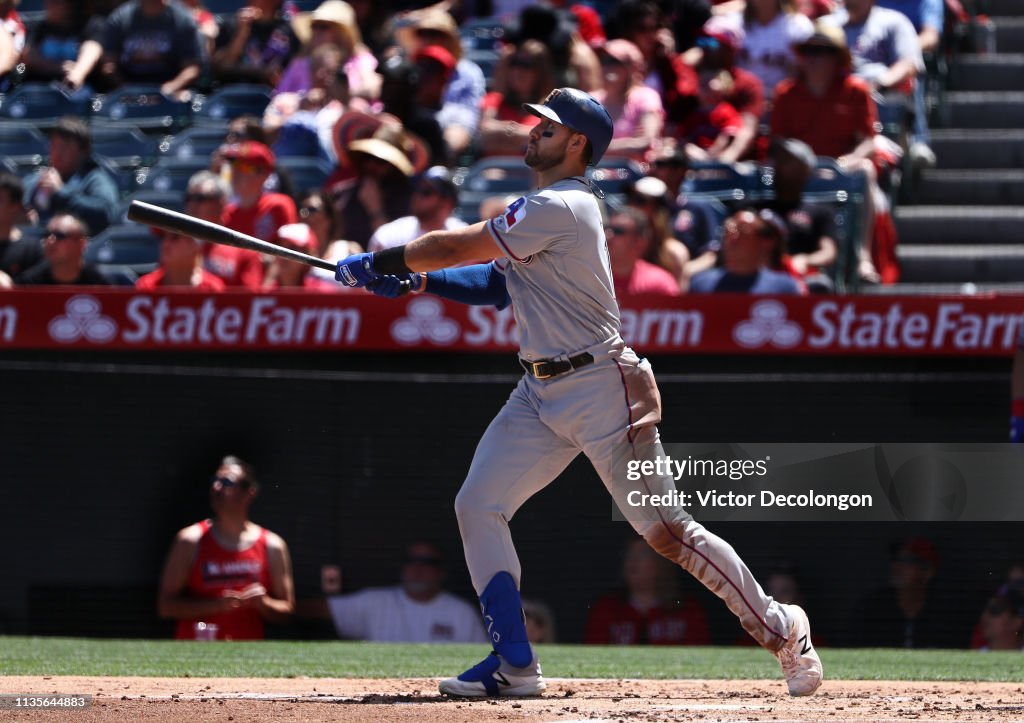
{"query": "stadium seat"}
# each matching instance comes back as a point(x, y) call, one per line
point(194, 142)
point(171, 174)
point(487, 60)
point(304, 173)
point(615, 175)
point(481, 34)
point(41, 104)
point(722, 181)
point(125, 147)
point(144, 107)
point(499, 175)
point(124, 252)
point(23, 143)
point(230, 102)
point(173, 200)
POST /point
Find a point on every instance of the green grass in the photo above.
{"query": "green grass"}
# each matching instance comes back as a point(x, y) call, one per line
point(71, 656)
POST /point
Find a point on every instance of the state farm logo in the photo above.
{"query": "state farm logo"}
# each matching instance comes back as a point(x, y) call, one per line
point(82, 319)
point(424, 321)
point(767, 325)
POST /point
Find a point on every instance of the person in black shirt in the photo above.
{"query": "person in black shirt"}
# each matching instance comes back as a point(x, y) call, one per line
point(63, 246)
point(17, 254)
point(811, 245)
point(256, 45)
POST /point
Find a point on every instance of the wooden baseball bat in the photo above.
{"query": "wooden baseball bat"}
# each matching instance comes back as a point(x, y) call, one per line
point(147, 213)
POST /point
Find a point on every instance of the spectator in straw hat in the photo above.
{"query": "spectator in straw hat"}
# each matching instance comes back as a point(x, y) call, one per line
point(332, 23)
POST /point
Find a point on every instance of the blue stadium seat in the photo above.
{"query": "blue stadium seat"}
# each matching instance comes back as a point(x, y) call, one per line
point(125, 147)
point(723, 181)
point(144, 107)
point(304, 173)
point(124, 252)
point(194, 142)
point(23, 143)
point(481, 34)
point(42, 104)
point(499, 175)
point(487, 60)
point(230, 102)
point(173, 200)
point(171, 174)
point(614, 175)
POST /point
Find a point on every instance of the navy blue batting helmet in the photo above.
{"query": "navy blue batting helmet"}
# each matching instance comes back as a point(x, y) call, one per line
point(579, 112)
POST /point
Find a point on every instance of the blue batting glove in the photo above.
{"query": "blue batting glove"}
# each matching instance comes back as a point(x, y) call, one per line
point(356, 270)
point(393, 286)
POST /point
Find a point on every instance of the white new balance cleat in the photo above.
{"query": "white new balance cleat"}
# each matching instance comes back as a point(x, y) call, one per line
point(493, 677)
point(799, 661)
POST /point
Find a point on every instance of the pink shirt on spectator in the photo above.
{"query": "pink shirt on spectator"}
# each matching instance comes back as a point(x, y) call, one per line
point(295, 78)
point(640, 100)
point(646, 278)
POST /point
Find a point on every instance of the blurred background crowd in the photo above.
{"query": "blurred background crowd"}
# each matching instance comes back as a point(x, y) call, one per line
point(760, 145)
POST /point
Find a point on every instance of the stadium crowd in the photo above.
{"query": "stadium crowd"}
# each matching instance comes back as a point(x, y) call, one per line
point(338, 126)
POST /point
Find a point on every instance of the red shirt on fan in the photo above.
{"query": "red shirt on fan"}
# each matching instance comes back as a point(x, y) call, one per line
point(240, 267)
point(613, 621)
point(832, 125)
point(152, 282)
point(646, 278)
point(217, 570)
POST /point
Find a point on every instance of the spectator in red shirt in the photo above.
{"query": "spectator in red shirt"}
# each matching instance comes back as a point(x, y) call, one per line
point(228, 571)
point(181, 264)
point(629, 236)
point(287, 274)
point(649, 610)
point(720, 44)
point(831, 111)
point(528, 76)
point(712, 129)
point(255, 212)
point(12, 41)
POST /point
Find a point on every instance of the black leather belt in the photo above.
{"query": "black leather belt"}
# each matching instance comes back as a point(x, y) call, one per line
point(547, 368)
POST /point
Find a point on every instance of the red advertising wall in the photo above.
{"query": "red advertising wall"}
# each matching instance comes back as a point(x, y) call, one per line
point(95, 318)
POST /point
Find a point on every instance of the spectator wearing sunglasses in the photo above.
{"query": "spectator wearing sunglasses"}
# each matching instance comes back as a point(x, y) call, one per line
point(629, 236)
point(254, 212)
point(417, 610)
point(434, 198)
point(63, 249)
point(225, 577)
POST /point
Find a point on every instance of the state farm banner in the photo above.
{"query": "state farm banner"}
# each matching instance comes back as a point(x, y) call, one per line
point(95, 318)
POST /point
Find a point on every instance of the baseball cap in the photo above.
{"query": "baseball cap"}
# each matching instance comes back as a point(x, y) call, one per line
point(580, 112)
point(724, 31)
point(440, 178)
point(252, 151)
point(437, 54)
point(299, 235)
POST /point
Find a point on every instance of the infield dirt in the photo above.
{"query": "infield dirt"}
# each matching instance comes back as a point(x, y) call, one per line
point(398, 700)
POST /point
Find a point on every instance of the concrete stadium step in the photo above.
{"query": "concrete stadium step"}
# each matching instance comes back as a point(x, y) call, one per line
point(925, 289)
point(937, 225)
point(992, 187)
point(1004, 7)
point(982, 109)
point(1009, 34)
point(961, 263)
point(979, 148)
point(1002, 71)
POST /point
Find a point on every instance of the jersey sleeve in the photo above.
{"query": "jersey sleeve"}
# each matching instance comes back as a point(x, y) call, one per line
point(532, 224)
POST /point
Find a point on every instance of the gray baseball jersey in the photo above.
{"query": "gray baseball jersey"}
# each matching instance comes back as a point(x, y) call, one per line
point(557, 270)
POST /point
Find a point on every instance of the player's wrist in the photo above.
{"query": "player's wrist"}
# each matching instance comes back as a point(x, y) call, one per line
point(391, 261)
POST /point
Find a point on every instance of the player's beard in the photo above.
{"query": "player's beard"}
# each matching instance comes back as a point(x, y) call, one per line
point(540, 163)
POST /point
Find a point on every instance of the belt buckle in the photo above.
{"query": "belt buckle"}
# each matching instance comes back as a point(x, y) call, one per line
point(534, 366)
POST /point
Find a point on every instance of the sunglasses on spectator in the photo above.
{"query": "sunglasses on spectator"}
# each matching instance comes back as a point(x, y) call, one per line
point(60, 235)
point(670, 163)
point(619, 229)
point(228, 482)
point(816, 51)
point(521, 63)
point(200, 197)
point(246, 166)
point(425, 190)
point(307, 211)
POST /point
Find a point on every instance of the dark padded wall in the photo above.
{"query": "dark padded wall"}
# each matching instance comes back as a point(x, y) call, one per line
point(105, 457)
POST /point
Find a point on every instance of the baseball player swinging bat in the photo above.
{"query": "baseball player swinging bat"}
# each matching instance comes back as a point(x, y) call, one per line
point(150, 215)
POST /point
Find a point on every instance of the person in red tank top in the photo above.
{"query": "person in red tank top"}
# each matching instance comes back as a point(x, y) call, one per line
point(228, 571)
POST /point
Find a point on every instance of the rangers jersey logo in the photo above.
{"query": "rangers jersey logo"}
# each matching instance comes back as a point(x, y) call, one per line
point(512, 216)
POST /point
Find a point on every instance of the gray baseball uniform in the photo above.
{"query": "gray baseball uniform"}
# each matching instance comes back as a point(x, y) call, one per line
point(558, 276)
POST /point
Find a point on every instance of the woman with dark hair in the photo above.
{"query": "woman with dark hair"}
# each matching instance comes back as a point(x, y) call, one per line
point(528, 77)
